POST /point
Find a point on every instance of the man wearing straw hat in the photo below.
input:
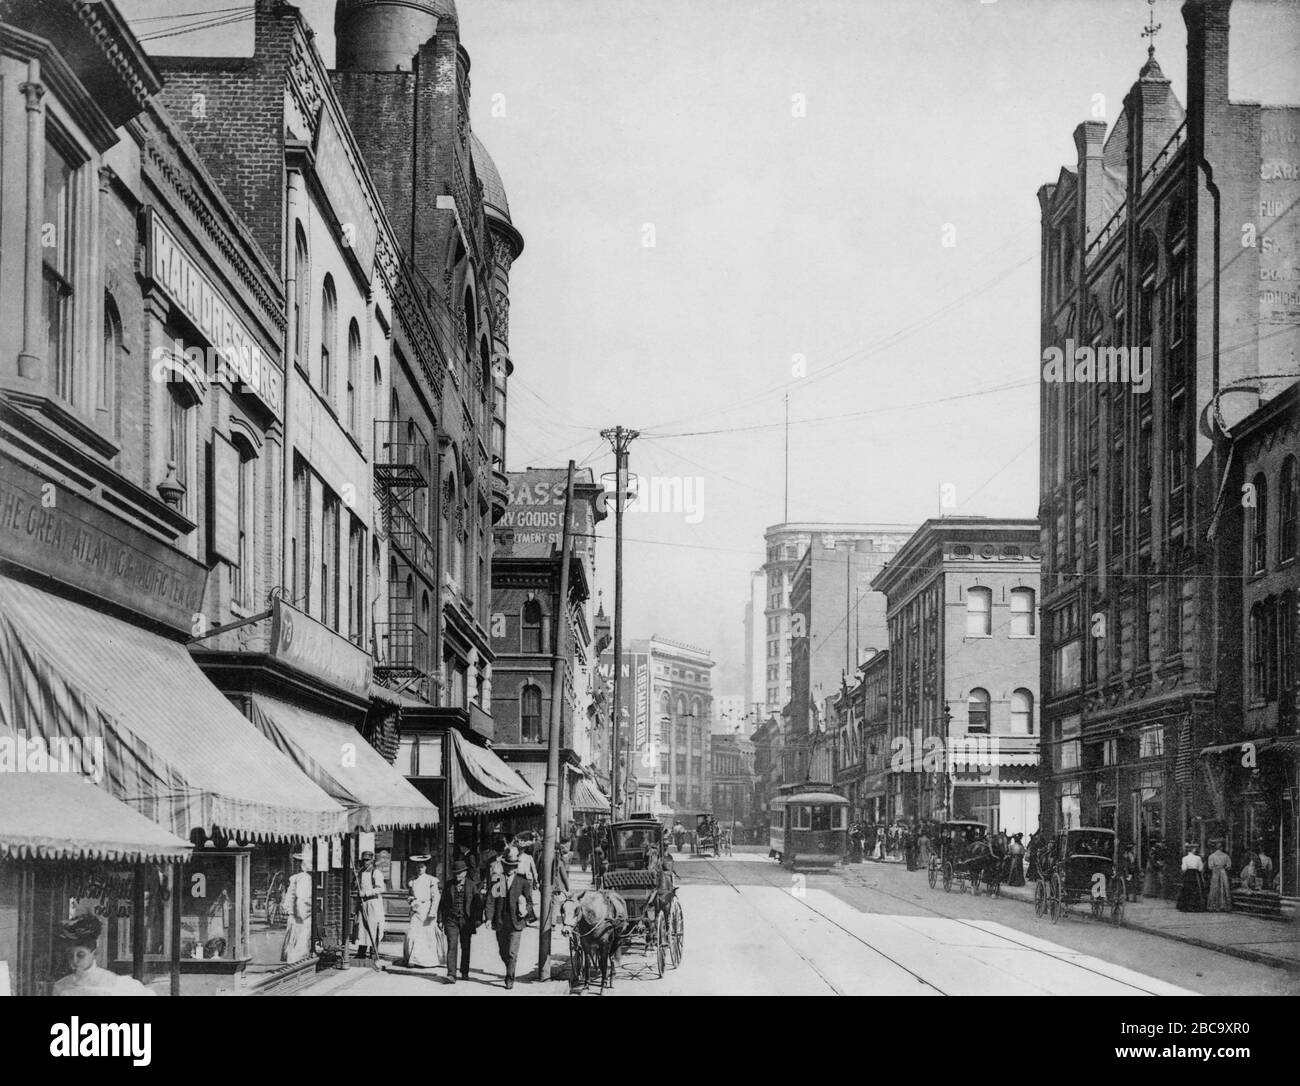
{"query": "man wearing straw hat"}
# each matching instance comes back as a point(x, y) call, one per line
point(370, 889)
point(512, 913)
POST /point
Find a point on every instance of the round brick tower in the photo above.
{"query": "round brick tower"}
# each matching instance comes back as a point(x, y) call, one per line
point(385, 35)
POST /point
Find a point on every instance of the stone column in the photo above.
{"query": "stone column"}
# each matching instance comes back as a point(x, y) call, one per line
point(31, 360)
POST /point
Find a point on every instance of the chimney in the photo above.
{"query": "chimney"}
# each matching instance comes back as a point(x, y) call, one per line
point(1207, 63)
point(1088, 140)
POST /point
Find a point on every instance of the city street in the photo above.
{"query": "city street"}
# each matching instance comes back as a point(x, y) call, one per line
point(869, 929)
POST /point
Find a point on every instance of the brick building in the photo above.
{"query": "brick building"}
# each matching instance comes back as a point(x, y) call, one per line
point(1144, 249)
point(963, 662)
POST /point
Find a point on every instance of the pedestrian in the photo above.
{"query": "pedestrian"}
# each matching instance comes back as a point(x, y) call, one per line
point(1218, 865)
point(909, 848)
point(297, 904)
point(1264, 868)
point(923, 847)
point(560, 866)
point(1128, 869)
point(371, 886)
point(584, 848)
point(460, 912)
point(512, 913)
point(80, 937)
point(524, 846)
point(426, 945)
point(1032, 852)
point(679, 834)
point(1151, 878)
point(1191, 896)
point(1017, 851)
point(878, 842)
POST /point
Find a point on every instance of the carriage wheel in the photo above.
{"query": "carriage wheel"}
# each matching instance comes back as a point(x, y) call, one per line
point(661, 942)
point(676, 932)
point(947, 877)
point(934, 872)
point(1054, 903)
point(1040, 898)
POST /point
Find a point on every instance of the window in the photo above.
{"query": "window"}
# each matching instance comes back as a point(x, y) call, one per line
point(664, 795)
point(354, 375)
point(1288, 649)
point(328, 335)
point(1151, 741)
point(530, 714)
point(241, 574)
point(329, 560)
point(1263, 651)
point(531, 628)
point(357, 582)
point(59, 216)
point(1069, 808)
point(1068, 750)
point(178, 439)
point(1288, 509)
point(109, 360)
point(1259, 526)
point(1022, 712)
point(979, 612)
point(1022, 612)
point(680, 762)
point(302, 276)
point(301, 543)
point(419, 756)
point(977, 710)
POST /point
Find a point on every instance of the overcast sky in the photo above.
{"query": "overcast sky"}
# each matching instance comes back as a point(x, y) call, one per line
point(797, 163)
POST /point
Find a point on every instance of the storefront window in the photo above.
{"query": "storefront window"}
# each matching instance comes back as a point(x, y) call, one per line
point(1068, 804)
point(213, 924)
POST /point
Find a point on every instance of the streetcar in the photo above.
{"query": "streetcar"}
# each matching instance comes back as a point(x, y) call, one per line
point(809, 826)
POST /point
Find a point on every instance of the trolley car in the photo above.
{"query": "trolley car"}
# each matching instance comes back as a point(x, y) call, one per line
point(809, 826)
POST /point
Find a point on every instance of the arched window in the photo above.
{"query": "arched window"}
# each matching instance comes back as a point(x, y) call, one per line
point(1259, 526)
point(1288, 511)
point(241, 573)
point(1288, 648)
point(1022, 612)
point(301, 284)
point(977, 710)
point(328, 335)
point(425, 653)
point(471, 332)
point(979, 612)
point(530, 714)
point(1022, 712)
point(530, 638)
point(1148, 265)
point(108, 363)
point(354, 375)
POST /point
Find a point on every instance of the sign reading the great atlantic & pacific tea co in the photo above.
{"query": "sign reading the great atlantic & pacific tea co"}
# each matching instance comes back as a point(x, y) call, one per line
point(52, 530)
point(314, 649)
point(172, 268)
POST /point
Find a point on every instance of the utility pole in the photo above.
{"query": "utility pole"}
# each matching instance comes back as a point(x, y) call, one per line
point(620, 438)
point(550, 827)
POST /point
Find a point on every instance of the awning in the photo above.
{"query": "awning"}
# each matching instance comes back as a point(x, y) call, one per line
point(1262, 743)
point(482, 782)
point(534, 775)
point(174, 748)
point(587, 796)
point(347, 768)
point(64, 816)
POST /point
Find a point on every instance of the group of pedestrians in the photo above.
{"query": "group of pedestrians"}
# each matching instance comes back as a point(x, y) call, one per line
point(1206, 883)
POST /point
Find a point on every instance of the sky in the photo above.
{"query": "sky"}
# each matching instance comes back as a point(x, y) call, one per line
point(725, 202)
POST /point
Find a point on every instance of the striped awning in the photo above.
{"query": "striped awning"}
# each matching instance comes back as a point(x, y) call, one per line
point(64, 816)
point(173, 747)
point(587, 796)
point(482, 782)
point(347, 768)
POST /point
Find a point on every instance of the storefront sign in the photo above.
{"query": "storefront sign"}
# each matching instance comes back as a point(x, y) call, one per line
point(49, 529)
point(313, 648)
point(172, 269)
point(642, 705)
point(345, 194)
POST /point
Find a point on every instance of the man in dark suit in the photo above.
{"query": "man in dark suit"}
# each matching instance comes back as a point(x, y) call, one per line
point(460, 912)
point(512, 912)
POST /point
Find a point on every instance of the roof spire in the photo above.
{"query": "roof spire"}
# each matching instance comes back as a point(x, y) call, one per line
point(1152, 29)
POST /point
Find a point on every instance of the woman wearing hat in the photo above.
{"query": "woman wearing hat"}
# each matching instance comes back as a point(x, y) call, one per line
point(426, 945)
point(81, 937)
point(297, 910)
point(1218, 865)
point(1191, 897)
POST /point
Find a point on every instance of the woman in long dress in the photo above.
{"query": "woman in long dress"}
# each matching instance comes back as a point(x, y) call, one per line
point(1220, 897)
point(426, 945)
point(1017, 850)
point(297, 911)
point(1191, 897)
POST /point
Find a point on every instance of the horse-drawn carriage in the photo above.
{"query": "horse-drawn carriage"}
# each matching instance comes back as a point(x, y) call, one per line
point(707, 836)
point(1079, 865)
point(968, 855)
point(633, 870)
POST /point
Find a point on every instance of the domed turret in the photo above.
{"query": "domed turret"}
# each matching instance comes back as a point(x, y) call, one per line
point(384, 35)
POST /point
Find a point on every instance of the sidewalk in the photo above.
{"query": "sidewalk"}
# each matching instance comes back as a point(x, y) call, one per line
point(1270, 942)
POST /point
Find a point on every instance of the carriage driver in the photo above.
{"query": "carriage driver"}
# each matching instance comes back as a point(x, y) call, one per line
point(665, 884)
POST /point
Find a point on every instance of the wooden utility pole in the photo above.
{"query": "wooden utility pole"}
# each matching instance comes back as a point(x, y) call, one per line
point(551, 825)
point(620, 438)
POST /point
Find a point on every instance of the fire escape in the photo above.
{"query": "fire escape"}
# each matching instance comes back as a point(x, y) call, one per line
point(403, 646)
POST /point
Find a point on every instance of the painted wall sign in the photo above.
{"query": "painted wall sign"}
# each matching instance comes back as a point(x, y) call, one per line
point(313, 648)
point(346, 196)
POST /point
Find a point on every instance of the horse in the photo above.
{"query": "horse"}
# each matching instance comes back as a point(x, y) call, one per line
point(985, 857)
point(598, 918)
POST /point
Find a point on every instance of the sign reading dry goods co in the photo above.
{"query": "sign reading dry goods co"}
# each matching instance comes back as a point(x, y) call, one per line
point(52, 530)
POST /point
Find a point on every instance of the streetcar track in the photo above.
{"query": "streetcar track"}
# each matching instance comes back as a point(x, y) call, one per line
point(917, 903)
